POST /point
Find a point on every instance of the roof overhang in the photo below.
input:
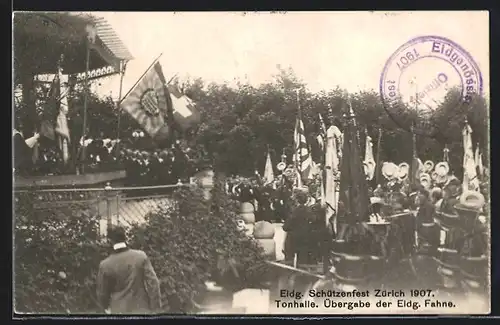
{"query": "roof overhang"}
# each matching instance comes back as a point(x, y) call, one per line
point(41, 38)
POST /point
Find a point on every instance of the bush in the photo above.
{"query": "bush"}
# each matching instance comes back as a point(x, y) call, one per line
point(193, 241)
point(56, 256)
point(58, 250)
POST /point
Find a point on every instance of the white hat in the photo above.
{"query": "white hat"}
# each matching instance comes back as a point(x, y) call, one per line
point(428, 166)
point(442, 168)
point(389, 170)
point(425, 180)
point(472, 200)
point(403, 170)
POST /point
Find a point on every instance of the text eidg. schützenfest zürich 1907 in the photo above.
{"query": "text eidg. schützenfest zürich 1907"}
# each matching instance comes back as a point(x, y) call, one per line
point(414, 299)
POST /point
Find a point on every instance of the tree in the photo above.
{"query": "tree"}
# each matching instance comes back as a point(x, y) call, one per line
point(240, 123)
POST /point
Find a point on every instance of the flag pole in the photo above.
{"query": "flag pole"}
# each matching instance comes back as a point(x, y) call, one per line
point(171, 79)
point(123, 67)
point(90, 38)
point(140, 78)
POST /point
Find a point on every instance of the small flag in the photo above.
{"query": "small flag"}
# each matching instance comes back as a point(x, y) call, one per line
point(184, 109)
point(268, 170)
point(147, 101)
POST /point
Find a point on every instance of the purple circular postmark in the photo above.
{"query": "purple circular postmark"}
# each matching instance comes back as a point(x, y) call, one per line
point(423, 73)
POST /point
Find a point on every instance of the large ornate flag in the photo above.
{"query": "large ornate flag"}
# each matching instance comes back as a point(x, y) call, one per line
point(184, 109)
point(147, 101)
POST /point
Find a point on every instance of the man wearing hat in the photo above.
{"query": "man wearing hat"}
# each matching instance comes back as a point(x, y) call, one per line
point(299, 229)
point(451, 193)
point(126, 281)
point(22, 148)
point(376, 204)
point(426, 209)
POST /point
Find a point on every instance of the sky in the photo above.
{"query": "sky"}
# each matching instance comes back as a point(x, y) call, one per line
point(325, 49)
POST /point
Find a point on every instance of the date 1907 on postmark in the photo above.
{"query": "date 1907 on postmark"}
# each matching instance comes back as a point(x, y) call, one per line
point(423, 72)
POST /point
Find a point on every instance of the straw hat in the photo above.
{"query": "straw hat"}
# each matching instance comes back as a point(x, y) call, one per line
point(389, 170)
point(428, 166)
point(442, 168)
point(472, 200)
point(281, 166)
point(403, 171)
point(425, 180)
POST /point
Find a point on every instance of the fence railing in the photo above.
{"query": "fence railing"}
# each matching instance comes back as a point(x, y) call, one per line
point(113, 205)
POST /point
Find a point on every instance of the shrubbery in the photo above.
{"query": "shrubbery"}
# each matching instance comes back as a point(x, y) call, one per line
point(56, 255)
point(58, 250)
point(193, 241)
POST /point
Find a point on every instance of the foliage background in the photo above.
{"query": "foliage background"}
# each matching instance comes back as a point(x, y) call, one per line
point(188, 242)
point(240, 123)
point(202, 243)
point(48, 242)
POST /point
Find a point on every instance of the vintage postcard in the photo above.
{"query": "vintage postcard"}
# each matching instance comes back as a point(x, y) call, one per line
point(251, 163)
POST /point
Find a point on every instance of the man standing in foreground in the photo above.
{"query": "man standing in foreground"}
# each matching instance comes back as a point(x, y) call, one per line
point(127, 282)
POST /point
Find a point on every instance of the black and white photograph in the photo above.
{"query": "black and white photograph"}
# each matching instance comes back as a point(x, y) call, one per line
point(251, 163)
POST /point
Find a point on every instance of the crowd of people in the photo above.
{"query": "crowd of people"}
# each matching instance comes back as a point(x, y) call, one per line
point(404, 202)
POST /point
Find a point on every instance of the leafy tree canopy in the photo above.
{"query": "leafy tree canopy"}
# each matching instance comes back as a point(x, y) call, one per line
point(239, 124)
